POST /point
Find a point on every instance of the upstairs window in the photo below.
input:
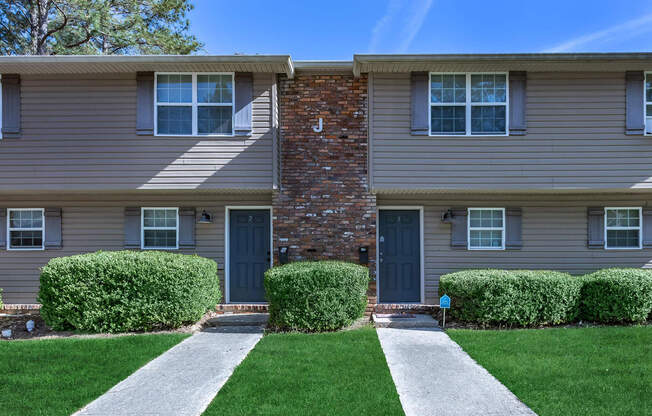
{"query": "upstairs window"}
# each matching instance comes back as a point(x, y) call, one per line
point(622, 228)
point(194, 104)
point(25, 229)
point(486, 229)
point(468, 104)
point(648, 103)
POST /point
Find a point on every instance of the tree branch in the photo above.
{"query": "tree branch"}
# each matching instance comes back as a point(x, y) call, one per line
point(56, 29)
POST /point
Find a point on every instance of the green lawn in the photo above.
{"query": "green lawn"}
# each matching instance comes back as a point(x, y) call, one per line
point(576, 371)
point(58, 376)
point(342, 373)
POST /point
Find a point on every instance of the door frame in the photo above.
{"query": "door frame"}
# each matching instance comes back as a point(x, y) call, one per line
point(227, 253)
point(422, 259)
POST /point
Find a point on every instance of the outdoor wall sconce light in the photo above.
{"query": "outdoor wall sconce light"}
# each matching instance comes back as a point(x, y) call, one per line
point(283, 257)
point(363, 253)
point(447, 217)
point(206, 218)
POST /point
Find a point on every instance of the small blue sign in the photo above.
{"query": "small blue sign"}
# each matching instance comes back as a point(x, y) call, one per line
point(444, 302)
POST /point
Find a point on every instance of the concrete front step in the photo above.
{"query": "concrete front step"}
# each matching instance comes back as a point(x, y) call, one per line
point(240, 319)
point(404, 320)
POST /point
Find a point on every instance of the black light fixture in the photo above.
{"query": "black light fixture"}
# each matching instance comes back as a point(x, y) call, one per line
point(206, 218)
point(447, 216)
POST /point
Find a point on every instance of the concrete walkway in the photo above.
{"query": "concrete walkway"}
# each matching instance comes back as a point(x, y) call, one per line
point(433, 376)
point(182, 381)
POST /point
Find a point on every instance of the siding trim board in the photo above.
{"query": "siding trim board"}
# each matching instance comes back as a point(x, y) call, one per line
point(227, 210)
point(420, 208)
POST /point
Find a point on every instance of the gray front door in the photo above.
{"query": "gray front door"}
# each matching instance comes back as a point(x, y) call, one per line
point(399, 254)
point(249, 254)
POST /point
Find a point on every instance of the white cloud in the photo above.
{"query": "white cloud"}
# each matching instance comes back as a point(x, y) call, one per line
point(620, 32)
point(400, 23)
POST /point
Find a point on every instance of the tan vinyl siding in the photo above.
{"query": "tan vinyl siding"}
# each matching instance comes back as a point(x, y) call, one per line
point(79, 133)
point(93, 222)
point(575, 140)
point(554, 234)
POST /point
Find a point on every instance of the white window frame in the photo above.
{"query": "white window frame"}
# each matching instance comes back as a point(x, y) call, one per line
point(0, 107)
point(194, 104)
point(468, 229)
point(639, 228)
point(143, 228)
point(467, 104)
point(648, 120)
point(10, 229)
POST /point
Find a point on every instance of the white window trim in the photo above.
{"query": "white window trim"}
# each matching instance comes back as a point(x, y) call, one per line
point(10, 229)
point(143, 228)
point(647, 122)
point(639, 228)
point(468, 229)
point(194, 104)
point(467, 104)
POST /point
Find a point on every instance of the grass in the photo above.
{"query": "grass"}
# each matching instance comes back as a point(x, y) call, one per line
point(574, 371)
point(341, 373)
point(59, 376)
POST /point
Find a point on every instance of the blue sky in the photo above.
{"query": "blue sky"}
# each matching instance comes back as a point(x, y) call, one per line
point(336, 29)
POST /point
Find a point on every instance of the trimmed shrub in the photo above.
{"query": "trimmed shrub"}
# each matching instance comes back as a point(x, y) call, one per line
point(1, 304)
point(118, 291)
point(617, 295)
point(512, 297)
point(316, 296)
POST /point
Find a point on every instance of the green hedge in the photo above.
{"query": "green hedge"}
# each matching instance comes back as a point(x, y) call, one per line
point(512, 297)
point(617, 295)
point(1, 304)
point(127, 290)
point(316, 296)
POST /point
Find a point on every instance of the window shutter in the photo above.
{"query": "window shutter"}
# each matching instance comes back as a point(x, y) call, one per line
point(187, 227)
point(513, 229)
point(419, 103)
point(517, 103)
point(132, 227)
point(647, 227)
point(244, 96)
point(635, 120)
point(459, 226)
point(10, 106)
point(596, 227)
point(3, 228)
point(145, 103)
point(52, 228)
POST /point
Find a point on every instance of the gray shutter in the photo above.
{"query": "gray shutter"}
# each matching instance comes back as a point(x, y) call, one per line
point(145, 103)
point(10, 106)
point(52, 228)
point(513, 229)
point(244, 96)
point(419, 103)
point(3, 228)
point(635, 121)
point(132, 227)
point(459, 226)
point(187, 227)
point(517, 103)
point(647, 227)
point(596, 227)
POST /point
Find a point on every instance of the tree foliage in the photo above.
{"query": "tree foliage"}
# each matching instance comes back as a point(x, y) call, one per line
point(88, 27)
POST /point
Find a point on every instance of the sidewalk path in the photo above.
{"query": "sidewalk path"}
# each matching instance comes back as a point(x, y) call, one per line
point(183, 380)
point(434, 376)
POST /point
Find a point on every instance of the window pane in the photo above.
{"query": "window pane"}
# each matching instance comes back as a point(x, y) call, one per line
point(159, 218)
point(648, 110)
point(488, 88)
point(622, 238)
point(448, 88)
point(214, 120)
point(623, 218)
point(174, 120)
point(174, 88)
point(447, 120)
point(486, 239)
point(214, 89)
point(160, 238)
point(488, 119)
point(26, 239)
point(648, 88)
point(26, 219)
point(486, 218)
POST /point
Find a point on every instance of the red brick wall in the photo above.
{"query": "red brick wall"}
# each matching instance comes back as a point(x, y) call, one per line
point(323, 209)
